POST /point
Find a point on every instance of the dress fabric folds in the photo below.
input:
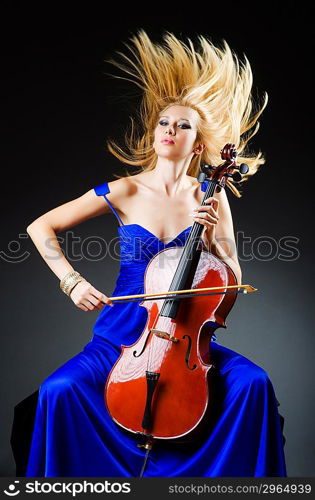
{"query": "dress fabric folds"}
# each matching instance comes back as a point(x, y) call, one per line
point(74, 436)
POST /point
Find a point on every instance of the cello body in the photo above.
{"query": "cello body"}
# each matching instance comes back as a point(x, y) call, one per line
point(159, 386)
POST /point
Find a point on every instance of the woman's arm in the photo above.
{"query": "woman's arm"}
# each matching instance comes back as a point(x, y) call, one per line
point(219, 237)
point(43, 232)
point(44, 229)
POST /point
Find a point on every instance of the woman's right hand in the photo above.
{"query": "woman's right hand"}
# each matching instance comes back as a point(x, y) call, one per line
point(88, 298)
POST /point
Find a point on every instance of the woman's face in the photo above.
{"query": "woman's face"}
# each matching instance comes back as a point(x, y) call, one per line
point(176, 132)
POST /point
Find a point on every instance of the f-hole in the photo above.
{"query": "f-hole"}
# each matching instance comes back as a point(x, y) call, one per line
point(188, 353)
point(143, 348)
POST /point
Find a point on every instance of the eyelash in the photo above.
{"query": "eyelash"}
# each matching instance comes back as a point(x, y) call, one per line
point(183, 125)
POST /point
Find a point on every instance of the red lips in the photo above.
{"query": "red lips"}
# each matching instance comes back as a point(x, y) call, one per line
point(167, 141)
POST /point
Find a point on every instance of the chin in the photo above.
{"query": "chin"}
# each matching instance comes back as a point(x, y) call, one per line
point(169, 155)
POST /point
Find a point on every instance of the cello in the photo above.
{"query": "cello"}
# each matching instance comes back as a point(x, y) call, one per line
point(159, 387)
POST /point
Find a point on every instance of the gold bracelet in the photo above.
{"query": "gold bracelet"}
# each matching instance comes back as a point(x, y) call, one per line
point(69, 281)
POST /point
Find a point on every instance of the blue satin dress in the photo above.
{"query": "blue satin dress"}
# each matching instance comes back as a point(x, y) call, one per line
point(74, 436)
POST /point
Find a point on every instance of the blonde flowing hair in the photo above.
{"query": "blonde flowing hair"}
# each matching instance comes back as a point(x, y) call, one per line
point(210, 80)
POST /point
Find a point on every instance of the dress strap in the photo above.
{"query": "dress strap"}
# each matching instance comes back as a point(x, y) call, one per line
point(204, 185)
point(103, 190)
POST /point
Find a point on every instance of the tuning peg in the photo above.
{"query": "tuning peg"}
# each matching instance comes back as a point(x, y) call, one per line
point(202, 177)
point(243, 168)
point(207, 168)
point(237, 177)
point(205, 172)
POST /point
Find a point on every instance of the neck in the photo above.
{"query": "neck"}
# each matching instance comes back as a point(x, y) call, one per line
point(171, 175)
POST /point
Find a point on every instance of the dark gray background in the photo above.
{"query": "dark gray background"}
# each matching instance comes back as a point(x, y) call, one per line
point(58, 109)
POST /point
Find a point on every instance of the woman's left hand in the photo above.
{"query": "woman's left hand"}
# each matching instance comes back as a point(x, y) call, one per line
point(208, 216)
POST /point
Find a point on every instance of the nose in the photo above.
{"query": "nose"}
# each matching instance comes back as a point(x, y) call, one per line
point(170, 130)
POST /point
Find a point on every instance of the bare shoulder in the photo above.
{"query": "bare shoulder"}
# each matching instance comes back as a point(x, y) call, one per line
point(122, 191)
point(120, 188)
point(129, 186)
point(138, 181)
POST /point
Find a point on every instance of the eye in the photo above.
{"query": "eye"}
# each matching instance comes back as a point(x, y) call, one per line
point(181, 125)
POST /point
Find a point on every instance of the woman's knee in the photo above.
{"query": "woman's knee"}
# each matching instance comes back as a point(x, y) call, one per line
point(250, 377)
point(57, 384)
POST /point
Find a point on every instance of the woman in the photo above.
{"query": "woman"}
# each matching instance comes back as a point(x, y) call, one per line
point(193, 103)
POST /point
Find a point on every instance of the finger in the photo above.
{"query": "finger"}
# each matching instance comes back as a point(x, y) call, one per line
point(80, 306)
point(207, 224)
point(212, 199)
point(107, 300)
point(204, 219)
point(96, 302)
point(214, 212)
point(214, 202)
point(79, 303)
point(101, 297)
point(207, 209)
point(207, 215)
point(204, 222)
point(98, 295)
point(87, 304)
point(100, 306)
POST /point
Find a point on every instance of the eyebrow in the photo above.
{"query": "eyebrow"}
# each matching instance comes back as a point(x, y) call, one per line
point(165, 116)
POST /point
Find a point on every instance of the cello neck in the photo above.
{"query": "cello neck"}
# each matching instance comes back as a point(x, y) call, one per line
point(187, 265)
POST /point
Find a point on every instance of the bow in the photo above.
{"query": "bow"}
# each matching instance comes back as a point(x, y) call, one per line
point(217, 290)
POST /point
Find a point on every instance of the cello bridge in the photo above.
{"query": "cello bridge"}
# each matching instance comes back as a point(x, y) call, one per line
point(164, 335)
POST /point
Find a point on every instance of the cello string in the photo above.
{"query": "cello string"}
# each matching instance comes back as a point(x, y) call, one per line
point(192, 236)
point(180, 272)
point(153, 337)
